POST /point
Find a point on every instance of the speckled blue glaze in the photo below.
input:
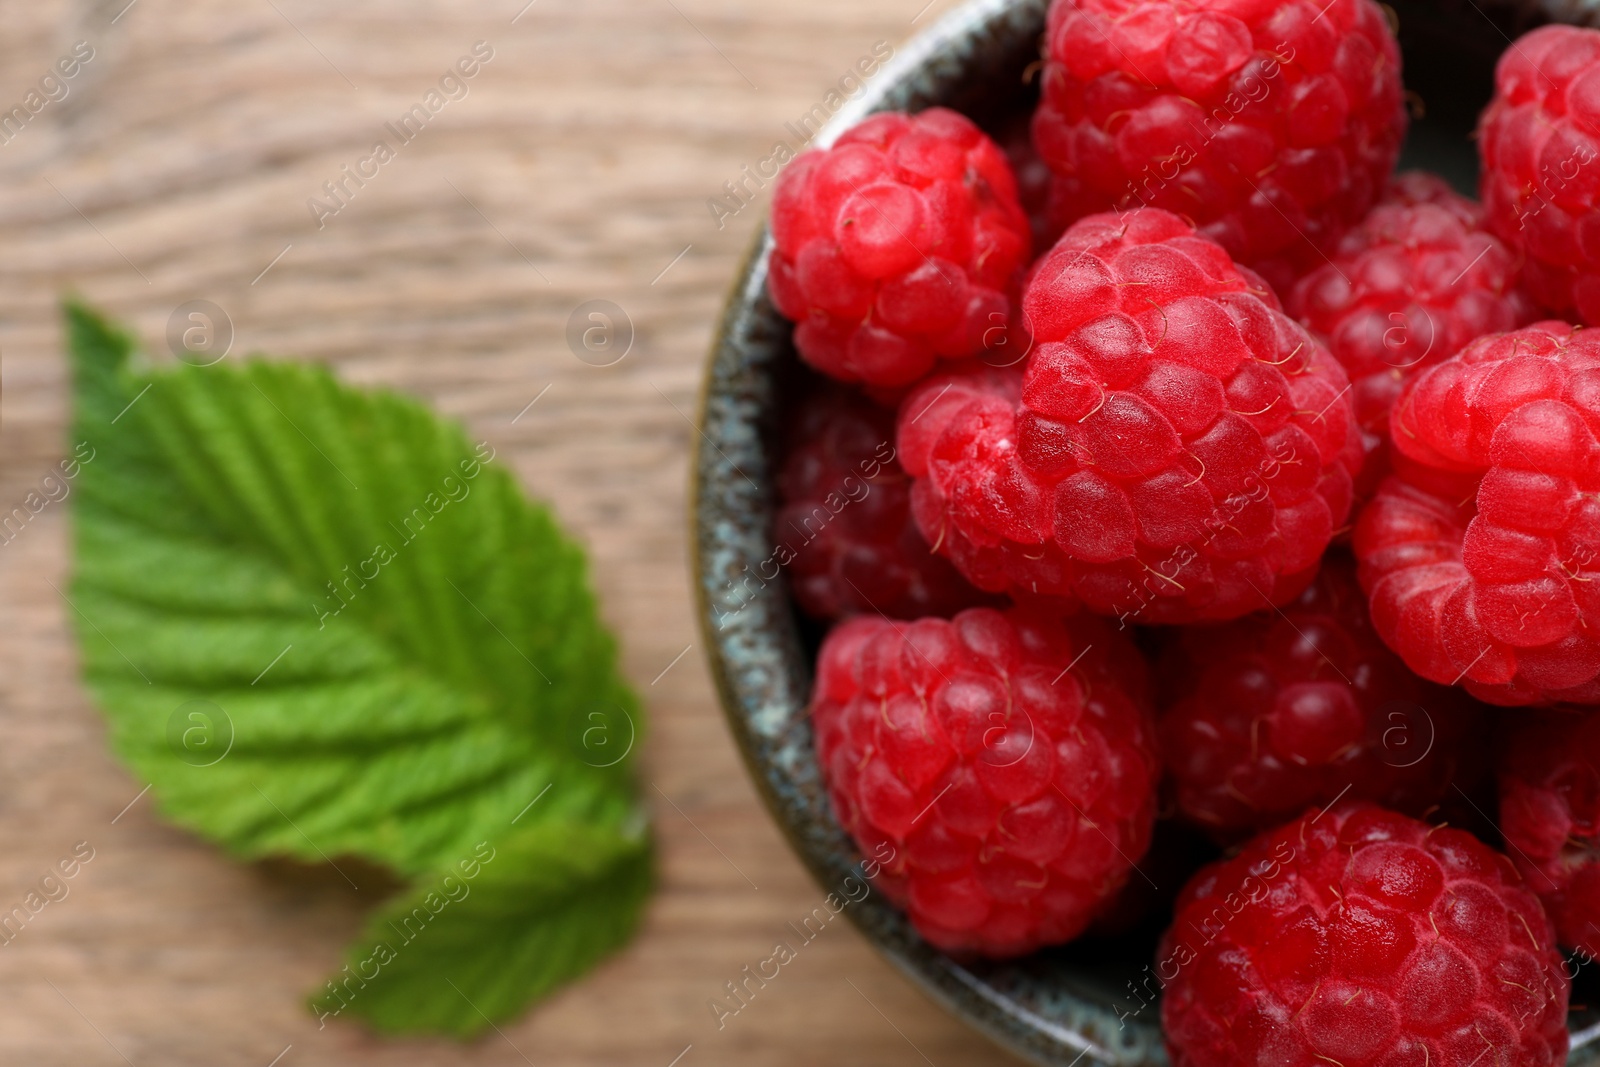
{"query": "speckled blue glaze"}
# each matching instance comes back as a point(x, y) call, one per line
point(1062, 1008)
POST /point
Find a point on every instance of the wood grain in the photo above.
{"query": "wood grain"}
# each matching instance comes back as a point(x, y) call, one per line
point(577, 167)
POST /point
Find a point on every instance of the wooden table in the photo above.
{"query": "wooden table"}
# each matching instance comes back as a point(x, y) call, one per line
point(576, 167)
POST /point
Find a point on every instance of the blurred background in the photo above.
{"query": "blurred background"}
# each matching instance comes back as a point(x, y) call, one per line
point(184, 161)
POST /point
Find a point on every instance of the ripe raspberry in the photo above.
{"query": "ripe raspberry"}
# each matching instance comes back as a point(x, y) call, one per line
point(1550, 815)
point(1007, 759)
point(1177, 453)
point(1272, 713)
point(1539, 141)
point(1410, 286)
point(844, 527)
point(1272, 125)
point(1362, 938)
point(900, 245)
point(1479, 555)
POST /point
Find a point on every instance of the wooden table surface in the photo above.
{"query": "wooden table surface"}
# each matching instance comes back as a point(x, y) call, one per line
point(576, 167)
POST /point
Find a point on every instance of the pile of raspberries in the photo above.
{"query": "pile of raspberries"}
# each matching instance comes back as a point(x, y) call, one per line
point(1225, 490)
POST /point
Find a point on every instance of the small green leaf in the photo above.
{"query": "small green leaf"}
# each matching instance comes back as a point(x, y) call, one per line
point(458, 952)
point(321, 622)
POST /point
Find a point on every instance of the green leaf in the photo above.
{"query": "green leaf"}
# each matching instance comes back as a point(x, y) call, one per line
point(460, 951)
point(322, 623)
point(405, 647)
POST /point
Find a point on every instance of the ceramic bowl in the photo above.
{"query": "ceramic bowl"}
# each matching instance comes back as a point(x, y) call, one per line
point(1066, 1006)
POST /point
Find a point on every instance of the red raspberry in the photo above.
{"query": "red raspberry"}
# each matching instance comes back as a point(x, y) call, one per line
point(900, 245)
point(1540, 182)
point(1272, 125)
point(1275, 712)
point(1007, 760)
point(1410, 286)
point(1362, 938)
point(1479, 555)
point(844, 528)
point(1178, 449)
point(1550, 815)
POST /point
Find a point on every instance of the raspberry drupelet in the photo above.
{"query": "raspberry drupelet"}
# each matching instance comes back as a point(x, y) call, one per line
point(1480, 553)
point(1550, 815)
point(897, 247)
point(1272, 125)
point(1539, 144)
point(1177, 450)
point(1360, 937)
point(1006, 760)
point(844, 519)
point(1265, 716)
point(1410, 286)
